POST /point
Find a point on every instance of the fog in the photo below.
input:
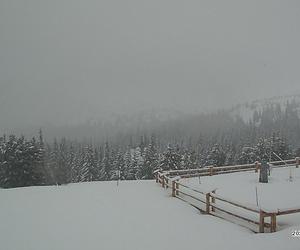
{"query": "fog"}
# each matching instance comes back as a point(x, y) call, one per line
point(63, 61)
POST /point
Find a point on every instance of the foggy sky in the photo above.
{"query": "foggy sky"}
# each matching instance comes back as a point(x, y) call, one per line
point(64, 61)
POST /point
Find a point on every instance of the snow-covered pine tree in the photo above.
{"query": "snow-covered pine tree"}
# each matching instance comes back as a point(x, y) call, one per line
point(150, 161)
point(91, 163)
point(247, 155)
point(137, 163)
point(21, 163)
point(83, 168)
point(106, 162)
point(73, 163)
point(64, 171)
point(129, 172)
point(2, 161)
point(216, 156)
point(171, 159)
point(13, 162)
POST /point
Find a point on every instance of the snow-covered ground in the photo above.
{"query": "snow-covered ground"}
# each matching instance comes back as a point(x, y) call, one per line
point(280, 193)
point(134, 215)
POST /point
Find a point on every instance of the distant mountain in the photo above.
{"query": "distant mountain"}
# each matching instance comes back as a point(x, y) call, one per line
point(174, 126)
point(247, 110)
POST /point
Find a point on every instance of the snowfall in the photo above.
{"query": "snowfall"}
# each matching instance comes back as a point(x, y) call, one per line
point(140, 215)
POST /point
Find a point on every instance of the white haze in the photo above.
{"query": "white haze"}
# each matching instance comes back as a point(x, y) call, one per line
point(63, 61)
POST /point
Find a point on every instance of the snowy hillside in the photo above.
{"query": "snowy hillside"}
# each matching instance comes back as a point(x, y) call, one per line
point(134, 215)
point(247, 110)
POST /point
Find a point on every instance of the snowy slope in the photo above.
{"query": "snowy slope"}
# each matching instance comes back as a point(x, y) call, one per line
point(134, 215)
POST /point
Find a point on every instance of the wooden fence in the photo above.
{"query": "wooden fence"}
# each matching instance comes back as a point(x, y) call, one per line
point(210, 203)
point(211, 170)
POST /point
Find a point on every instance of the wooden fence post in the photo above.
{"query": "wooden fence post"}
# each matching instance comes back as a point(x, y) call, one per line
point(213, 201)
point(261, 221)
point(211, 171)
point(177, 188)
point(156, 177)
point(297, 162)
point(257, 166)
point(273, 222)
point(163, 181)
point(207, 203)
point(173, 189)
point(167, 183)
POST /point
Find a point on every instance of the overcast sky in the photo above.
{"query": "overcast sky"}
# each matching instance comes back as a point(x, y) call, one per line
point(68, 60)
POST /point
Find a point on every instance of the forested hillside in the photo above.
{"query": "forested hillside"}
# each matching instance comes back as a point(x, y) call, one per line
point(186, 141)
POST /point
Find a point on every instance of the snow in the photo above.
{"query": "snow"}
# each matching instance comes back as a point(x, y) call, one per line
point(278, 194)
point(134, 215)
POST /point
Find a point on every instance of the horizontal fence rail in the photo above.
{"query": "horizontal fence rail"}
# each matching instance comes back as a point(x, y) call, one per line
point(210, 203)
point(211, 170)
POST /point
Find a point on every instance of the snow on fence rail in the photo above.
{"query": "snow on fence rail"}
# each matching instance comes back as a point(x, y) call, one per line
point(206, 200)
point(211, 170)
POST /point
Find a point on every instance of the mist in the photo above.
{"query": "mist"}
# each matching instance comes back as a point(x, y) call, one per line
point(64, 62)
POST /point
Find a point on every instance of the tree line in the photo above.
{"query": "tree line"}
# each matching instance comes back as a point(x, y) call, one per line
point(222, 140)
point(31, 162)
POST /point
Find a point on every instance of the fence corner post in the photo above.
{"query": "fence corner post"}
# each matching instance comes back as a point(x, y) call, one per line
point(261, 221)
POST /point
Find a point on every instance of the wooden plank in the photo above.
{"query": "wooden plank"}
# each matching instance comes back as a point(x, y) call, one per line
point(195, 190)
point(191, 196)
point(289, 211)
point(235, 204)
point(208, 169)
point(236, 215)
point(216, 173)
point(239, 224)
point(291, 161)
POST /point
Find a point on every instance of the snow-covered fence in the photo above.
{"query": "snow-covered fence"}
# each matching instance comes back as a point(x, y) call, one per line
point(291, 162)
point(273, 217)
point(211, 170)
point(244, 215)
point(210, 203)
